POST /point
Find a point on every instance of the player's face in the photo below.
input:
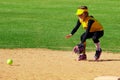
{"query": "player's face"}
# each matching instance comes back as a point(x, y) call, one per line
point(82, 16)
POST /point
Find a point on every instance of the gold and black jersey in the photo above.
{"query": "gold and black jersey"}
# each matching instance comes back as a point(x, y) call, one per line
point(96, 26)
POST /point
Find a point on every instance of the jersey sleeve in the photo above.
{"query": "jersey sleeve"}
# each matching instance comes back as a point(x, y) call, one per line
point(76, 27)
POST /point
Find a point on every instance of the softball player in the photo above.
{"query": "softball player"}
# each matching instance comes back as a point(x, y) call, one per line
point(93, 29)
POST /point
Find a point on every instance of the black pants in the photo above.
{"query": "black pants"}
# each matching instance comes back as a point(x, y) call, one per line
point(94, 35)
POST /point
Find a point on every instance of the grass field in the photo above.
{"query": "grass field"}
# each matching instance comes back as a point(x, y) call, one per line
point(44, 23)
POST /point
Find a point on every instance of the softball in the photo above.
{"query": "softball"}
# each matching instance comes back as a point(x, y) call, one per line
point(9, 61)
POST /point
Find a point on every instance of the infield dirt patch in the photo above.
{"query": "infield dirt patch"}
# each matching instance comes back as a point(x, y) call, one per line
point(45, 64)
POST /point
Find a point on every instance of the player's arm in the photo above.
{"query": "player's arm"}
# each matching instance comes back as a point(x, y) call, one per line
point(74, 29)
point(90, 22)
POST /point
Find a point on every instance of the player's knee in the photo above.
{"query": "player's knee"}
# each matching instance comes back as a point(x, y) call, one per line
point(95, 39)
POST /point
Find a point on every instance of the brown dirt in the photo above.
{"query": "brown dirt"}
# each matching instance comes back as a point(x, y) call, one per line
point(44, 64)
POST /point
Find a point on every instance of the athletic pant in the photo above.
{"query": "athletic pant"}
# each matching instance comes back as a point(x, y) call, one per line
point(94, 35)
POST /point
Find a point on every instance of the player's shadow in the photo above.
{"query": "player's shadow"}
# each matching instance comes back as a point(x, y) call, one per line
point(104, 60)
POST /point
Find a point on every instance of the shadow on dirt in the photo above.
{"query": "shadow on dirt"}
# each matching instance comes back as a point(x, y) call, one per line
point(104, 60)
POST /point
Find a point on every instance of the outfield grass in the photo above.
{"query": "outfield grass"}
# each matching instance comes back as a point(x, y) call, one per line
point(44, 23)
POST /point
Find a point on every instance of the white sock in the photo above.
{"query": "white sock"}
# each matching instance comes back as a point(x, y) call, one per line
point(97, 45)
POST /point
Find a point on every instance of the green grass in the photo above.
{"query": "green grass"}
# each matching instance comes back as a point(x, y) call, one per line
point(44, 23)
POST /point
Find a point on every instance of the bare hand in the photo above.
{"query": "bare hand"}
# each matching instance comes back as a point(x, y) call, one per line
point(68, 36)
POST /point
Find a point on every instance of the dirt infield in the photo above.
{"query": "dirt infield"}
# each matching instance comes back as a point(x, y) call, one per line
point(44, 64)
